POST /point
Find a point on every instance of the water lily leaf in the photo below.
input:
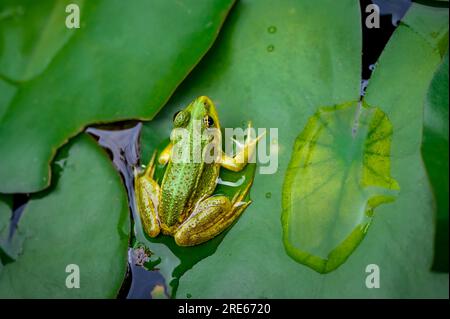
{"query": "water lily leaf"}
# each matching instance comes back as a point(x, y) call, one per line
point(285, 40)
point(154, 43)
point(400, 84)
point(66, 225)
point(5, 216)
point(431, 23)
point(32, 32)
point(7, 92)
point(338, 173)
point(435, 155)
point(5, 210)
point(11, 243)
point(315, 64)
point(11, 239)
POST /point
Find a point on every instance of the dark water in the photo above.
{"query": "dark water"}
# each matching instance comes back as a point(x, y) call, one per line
point(374, 40)
point(122, 143)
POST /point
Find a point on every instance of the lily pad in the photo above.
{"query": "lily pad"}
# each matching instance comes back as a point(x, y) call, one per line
point(5, 217)
point(7, 92)
point(339, 172)
point(32, 32)
point(5, 210)
point(311, 67)
point(305, 66)
point(67, 226)
point(431, 23)
point(11, 239)
point(123, 62)
point(435, 155)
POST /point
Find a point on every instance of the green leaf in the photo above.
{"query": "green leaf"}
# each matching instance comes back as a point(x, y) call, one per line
point(315, 64)
point(32, 32)
point(273, 65)
point(408, 77)
point(123, 62)
point(5, 210)
point(339, 172)
point(435, 155)
point(7, 92)
point(431, 23)
point(5, 217)
point(83, 219)
point(11, 242)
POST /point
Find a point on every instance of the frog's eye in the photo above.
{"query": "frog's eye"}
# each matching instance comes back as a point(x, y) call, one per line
point(175, 115)
point(208, 120)
point(180, 118)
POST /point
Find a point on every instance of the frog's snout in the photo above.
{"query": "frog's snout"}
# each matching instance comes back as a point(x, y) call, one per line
point(210, 110)
point(206, 101)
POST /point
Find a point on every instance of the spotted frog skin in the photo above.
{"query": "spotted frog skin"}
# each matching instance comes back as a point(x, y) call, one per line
point(183, 205)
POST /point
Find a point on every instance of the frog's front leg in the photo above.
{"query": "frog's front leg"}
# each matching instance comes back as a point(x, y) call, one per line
point(147, 194)
point(210, 217)
point(164, 157)
point(238, 162)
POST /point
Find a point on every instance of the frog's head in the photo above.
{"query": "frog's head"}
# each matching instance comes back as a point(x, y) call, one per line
point(201, 109)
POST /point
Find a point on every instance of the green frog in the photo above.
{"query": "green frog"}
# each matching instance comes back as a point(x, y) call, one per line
point(184, 206)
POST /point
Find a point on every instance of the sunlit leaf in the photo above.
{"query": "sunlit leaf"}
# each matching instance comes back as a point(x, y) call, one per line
point(339, 172)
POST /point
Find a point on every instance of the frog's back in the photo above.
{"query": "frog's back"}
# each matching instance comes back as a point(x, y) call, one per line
point(176, 189)
point(183, 185)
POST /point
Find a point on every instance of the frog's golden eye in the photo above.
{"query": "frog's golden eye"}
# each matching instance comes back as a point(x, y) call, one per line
point(208, 120)
point(181, 118)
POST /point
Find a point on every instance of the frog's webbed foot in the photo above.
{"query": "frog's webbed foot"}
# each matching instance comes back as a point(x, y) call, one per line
point(238, 162)
point(147, 193)
point(210, 217)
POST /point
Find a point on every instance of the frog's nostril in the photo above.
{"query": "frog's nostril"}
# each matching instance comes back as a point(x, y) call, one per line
point(206, 101)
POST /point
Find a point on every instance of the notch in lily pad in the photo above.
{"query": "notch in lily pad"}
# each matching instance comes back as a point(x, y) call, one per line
point(11, 239)
point(338, 174)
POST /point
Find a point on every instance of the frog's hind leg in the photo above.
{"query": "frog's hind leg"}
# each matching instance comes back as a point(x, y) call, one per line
point(210, 217)
point(147, 194)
